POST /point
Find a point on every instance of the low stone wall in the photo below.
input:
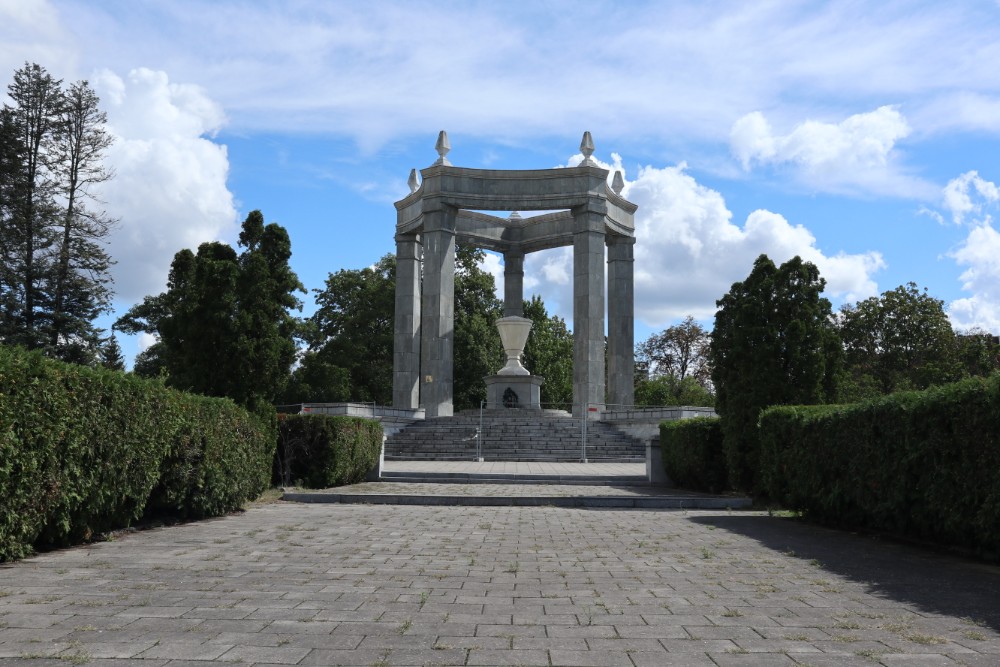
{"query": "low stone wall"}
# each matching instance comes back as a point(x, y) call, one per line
point(392, 419)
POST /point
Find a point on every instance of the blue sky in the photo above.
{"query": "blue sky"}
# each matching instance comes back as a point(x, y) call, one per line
point(862, 136)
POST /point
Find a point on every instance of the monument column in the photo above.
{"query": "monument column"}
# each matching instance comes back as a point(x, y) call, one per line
point(513, 283)
point(621, 322)
point(437, 314)
point(588, 309)
point(406, 349)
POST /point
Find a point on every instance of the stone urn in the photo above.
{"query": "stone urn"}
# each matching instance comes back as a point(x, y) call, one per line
point(514, 335)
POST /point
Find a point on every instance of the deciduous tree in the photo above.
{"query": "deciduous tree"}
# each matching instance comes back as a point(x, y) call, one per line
point(549, 353)
point(899, 340)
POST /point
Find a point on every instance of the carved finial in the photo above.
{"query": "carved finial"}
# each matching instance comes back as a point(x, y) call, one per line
point(587, 148)
point(442, 147)
point(618, 182)
point(514, 215)
point(413, 182)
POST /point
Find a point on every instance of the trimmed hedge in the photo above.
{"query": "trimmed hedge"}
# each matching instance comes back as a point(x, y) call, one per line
point(693, 454)
point(83, 451)
point(922, 464)
point(320, 451)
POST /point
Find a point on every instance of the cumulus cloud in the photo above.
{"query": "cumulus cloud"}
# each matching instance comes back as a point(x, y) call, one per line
point(856, 152)
point(969, 198)
point(968, 194)
point(169, 189)
point(689, 252)
point(980, 252)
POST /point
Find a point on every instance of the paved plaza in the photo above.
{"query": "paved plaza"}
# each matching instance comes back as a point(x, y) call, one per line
point(377, 585)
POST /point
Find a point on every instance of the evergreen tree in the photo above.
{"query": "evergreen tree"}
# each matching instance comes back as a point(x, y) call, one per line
point(773, 344)
point(111, 356)
point(79, 286)
point(28, 232)
point(223, 325)
point(54, 280)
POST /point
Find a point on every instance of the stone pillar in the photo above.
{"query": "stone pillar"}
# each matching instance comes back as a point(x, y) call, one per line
point(513, 283)
point(437, 315)
point(588, 311)
point(406, 341)
point(621, 322)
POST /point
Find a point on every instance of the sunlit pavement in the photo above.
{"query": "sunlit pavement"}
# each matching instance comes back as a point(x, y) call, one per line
point(289, 583)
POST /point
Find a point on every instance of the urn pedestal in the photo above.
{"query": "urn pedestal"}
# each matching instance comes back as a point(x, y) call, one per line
point(514, 386)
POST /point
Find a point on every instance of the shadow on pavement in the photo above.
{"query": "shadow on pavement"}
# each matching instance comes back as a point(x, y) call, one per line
point(932, 582)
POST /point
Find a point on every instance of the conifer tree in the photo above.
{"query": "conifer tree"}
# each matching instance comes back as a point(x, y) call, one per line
point(54, 279)
point(223, 325)
point(773, 344)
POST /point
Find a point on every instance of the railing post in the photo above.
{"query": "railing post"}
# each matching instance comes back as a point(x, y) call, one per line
point(479, 434)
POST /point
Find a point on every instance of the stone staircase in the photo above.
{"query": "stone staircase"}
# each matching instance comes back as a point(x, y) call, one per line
point(512, 435)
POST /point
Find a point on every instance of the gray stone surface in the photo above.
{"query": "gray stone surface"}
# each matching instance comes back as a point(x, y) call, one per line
point(363, 585)
point(449, 200)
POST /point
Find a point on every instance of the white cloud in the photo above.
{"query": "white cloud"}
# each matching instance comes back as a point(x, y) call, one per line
point(969, 194)
point(688, 252)
point(855, 153)
point(146, 341)
point(980, 252)
point(31, 30)
point(967, 198)
point(354, 69)
point(169, 189)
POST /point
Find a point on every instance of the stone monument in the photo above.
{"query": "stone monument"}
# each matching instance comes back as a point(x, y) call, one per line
point(514, 386)
point(444, 207)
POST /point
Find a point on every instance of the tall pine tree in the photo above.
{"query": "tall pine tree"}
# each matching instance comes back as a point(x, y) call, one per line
point(54, 280)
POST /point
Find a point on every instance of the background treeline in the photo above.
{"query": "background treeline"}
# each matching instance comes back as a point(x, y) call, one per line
point(84, 450)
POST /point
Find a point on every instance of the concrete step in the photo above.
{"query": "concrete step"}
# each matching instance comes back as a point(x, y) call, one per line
point(514, 435)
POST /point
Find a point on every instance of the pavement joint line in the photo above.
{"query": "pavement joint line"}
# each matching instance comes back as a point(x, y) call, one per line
point(311, 584)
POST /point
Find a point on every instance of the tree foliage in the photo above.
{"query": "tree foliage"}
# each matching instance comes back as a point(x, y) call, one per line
point(54, 279)
point(478, 349)
point(224, 325)
point(897, 341)
point(350, 338)
point(549, 353)
point(677, 367)
point(773, 344)
point(679, 351)
point(668, 390)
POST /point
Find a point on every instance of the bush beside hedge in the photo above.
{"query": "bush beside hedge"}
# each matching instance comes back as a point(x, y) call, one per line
point(320, 451)
point(693, 454)
point(86, 450)
point(923, 464)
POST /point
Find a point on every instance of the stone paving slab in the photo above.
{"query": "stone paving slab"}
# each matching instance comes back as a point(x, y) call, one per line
point(516, 495)
point(376, 585)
